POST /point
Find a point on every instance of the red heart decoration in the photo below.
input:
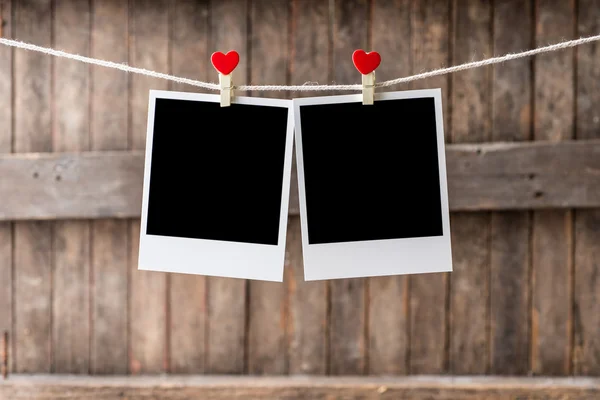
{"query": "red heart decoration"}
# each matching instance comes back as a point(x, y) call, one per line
point(225, 63)
point(365, 62)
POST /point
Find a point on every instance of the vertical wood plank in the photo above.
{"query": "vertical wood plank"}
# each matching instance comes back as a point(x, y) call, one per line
point(149, 36)
point(70, 323)
point(6, 57)
point(307, 320)
point(109, 353)
point(347, 325)
point(388, 296)
point(307, 301)
point(227, 297)
point(586, 318)
point(267, 308)
point(509, 280)
point(32, 240)
point(470, 232)
point(428, 293)
point(189, 58)
point(6, 136)
point(552, 230)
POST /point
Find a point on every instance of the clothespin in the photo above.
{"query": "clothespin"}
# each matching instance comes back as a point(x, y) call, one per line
point(225, 64)
point(366, 63)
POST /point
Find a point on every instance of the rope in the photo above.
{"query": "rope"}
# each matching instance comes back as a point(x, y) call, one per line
point(309, 86)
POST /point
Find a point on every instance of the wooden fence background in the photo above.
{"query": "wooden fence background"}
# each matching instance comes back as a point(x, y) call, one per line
point(524, 297)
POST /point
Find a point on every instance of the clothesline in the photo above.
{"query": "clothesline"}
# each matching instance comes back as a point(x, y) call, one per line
point(305, 87)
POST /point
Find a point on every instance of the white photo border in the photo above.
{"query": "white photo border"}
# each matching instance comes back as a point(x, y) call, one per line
point(214, 257)
point(375, 257)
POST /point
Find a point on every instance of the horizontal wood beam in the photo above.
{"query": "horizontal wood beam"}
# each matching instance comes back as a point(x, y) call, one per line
point(35, 387)
point(503, 176)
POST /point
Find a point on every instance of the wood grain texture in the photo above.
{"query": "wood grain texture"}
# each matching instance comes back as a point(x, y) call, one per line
point(6, 136)
point(510, 236)
point(83, 191)
point(227, 297)
point(32, 240)
point(388, 296)
point(363, 388)
point(348, 319)
point(6, 82)
point(552, 230)
point(586, 319)
point(586, 308)
point(307, 301)
point(110, 246)
point(430, 48)
point(6, 277)
point(428, 293)
point(71, 247)
point(307, 311)
point(149, 48)
point(487, 176)
point(187, 302)
point(267, 341)
point(109, 351)
point(471, 116)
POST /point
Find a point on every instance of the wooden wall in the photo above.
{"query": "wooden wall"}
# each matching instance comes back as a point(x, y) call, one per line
point(524, 297)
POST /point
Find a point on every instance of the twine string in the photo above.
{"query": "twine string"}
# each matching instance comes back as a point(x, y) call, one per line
point(309, 86)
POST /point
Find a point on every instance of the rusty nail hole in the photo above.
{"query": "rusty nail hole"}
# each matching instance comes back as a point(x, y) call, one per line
point(36, 175)
point(478, 151)
point(538, 194)
point(531, 176)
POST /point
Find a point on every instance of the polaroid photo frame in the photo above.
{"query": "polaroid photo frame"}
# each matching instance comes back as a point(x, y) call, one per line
point(216, 186)
point(372, 185)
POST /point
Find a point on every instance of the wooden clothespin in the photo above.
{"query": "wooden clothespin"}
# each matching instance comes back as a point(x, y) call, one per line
point(225, 64)
point(366, 63)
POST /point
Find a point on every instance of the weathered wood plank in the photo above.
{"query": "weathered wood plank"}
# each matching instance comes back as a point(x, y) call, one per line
point(509, 262)
point(6, 137)
point(428, 314)
point(509, 287)
point(307, 311)
point(6, 276)
point(149, 42)
point(77, 194)
point(32, 240)
point(71, 247)
point(388, 296)
point(227, 297)
point(267, 342)
point(347, 322)
point(187, 302)
point(586, 318)
point(552, 230)
point(307, 301)
point(109, 351)
point(471, 116)
point(488, 176)
point(586, 354)
point(550, 326)
point(247, 388)
point(6, 83)
point(430, 43)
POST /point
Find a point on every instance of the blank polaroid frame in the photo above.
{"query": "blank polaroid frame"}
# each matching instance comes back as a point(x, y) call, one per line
point(372, 185)
point(216, 186)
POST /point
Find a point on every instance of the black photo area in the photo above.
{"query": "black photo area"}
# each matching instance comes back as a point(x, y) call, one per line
point(371, 171)
point(217, 172)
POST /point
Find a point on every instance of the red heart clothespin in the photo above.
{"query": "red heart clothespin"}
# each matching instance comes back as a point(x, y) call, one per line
point(225, 64)
point(366, 63)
